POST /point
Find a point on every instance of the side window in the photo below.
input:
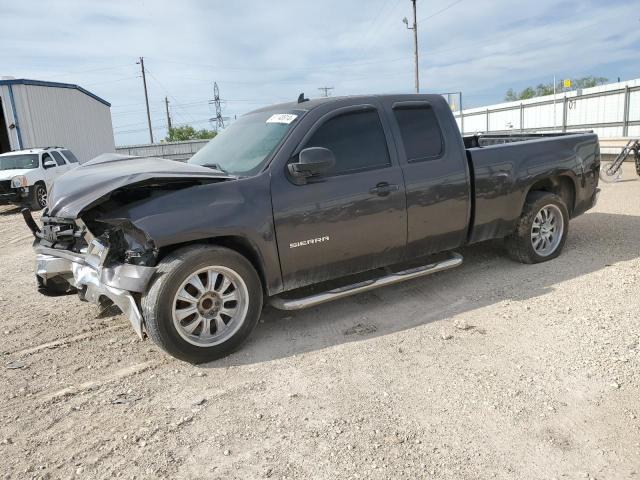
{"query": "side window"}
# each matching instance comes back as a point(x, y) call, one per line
point(70, 156)
point(58, 158)
point(356, 139)
point(45, 157)
point(421, 134)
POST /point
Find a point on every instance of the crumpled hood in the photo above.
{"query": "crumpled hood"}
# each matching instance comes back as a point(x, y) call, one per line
point(97, 178)
point(9, 174)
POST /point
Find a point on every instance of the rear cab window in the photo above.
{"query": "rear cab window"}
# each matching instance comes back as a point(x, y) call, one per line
point(421, 133)
point(68, 154)
point(356, 139)
point(58, 158)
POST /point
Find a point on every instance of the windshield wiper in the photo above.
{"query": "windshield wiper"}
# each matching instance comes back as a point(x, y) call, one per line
point(216, 166)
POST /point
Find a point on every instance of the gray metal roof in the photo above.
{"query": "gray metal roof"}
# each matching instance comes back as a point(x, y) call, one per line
point(41, 83)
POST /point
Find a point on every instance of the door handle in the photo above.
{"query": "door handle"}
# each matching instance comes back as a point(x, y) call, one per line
point(383, 189)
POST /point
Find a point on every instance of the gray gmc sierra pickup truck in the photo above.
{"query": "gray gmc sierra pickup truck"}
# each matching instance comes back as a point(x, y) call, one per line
point(297, 204)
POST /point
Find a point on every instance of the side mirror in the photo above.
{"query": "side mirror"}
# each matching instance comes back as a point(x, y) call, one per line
point(311, 161)
point(48, 164)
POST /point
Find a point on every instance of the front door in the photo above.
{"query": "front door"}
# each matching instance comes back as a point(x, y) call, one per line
point(49, 174)
point(349, 220)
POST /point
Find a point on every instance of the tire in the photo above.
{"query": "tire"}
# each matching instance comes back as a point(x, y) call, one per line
point(520, 244)
point(38, 197)
point(179, 327)
point(616, 177)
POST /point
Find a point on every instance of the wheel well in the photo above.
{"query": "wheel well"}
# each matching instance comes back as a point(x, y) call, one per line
point(238, 244)
point(561, 186)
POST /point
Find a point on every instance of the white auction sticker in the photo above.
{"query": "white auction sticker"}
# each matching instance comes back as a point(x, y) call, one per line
point(286, 118)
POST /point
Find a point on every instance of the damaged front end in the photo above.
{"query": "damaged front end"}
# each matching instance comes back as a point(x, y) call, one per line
point(89, 242)
point(113, 268)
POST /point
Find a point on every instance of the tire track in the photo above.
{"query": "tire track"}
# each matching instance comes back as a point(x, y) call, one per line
point(65, 341)
point(73, 390)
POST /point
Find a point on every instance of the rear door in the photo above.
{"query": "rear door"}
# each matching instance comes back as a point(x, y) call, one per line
point(436, 175)
point(71, 158)
point(351, 219)
point(63, 165)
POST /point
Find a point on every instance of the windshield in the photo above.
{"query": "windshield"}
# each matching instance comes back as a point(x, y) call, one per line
point(242, 148)
point(18, 162)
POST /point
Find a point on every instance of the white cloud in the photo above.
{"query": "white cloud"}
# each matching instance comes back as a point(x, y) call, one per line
point(263, 52)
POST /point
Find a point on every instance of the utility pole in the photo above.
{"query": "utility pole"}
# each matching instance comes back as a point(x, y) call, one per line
point(325, 90)
point(166, 104)
point(415, 41)
point(146, 97)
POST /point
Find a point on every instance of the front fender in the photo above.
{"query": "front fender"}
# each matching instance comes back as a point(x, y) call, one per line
point(238, 208)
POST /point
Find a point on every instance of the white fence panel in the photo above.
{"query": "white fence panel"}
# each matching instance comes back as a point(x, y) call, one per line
point(504, 119)
point(634, 106)
point(611, 110)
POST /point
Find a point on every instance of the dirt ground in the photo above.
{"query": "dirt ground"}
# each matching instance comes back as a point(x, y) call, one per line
point(492, 370)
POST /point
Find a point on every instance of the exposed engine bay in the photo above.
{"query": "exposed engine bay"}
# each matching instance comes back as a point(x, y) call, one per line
point(126, 243)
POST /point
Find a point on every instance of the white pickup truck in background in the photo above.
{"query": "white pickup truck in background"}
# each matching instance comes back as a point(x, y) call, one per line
point(27, 175)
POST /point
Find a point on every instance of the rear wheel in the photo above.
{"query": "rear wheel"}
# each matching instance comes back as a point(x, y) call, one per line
point(38, 197)
point(541, 231)
point(203, 303)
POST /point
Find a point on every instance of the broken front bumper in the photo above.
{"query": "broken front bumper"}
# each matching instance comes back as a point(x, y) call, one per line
point(95, 282)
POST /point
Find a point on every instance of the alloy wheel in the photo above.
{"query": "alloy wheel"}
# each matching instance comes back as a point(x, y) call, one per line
point(210, 306)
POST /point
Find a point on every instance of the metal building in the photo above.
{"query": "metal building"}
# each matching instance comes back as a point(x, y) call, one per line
point(35, 113)
point(179, 151)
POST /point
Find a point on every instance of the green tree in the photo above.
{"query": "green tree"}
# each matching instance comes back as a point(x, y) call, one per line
point(547, 88)
point(510, 96)
point(588, 82)
point(544, 89)
point(187, 132)
point(527, 93)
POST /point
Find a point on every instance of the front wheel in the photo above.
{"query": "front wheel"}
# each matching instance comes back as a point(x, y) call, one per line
point(541, 231)
point(203, 303)
point(610, 177)
point(38, 197)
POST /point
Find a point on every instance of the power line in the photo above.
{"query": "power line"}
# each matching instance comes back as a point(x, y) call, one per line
point(380, 29)
point(177, 103)
point(73, 72)
point(110, 81)
point(452, 4)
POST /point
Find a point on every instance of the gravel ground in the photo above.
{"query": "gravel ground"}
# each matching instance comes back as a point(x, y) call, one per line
point(492, 370)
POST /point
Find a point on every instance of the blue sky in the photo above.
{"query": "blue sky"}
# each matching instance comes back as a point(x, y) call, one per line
point(265, 52)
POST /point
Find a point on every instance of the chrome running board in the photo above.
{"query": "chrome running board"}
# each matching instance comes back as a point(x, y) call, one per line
point(454, 260)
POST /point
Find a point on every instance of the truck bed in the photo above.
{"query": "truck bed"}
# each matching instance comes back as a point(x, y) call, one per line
point(505, 168)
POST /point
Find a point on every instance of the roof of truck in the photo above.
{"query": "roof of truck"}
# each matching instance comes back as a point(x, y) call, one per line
point(28, 151)
point(312, 103)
